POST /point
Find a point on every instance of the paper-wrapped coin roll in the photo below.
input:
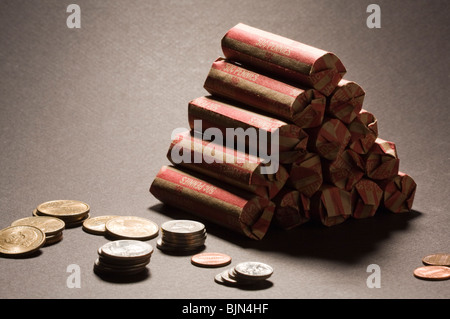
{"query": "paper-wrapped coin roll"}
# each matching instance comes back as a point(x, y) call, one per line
point(382, 161)
point(398, 193)
point(229, 165)
point(346, 101)
point(366, 198)
point(284, 57)
point(305, 175)
point(364, 131)
point(329, 139)
point(304, 107)
point(331, 205)
point(214, 201)
point(345, 171)
point(292, 208)
point(216, 113)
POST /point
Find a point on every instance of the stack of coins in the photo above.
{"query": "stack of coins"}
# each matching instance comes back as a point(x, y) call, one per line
point(72, 212)
point(21, 240)
point(245, 274)
point(182, 236)
point(123, 257)
point(52, 227)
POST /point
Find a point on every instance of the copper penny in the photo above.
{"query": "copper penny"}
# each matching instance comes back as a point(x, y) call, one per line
point(437, 260)
point(210, 260)
point(432, 272)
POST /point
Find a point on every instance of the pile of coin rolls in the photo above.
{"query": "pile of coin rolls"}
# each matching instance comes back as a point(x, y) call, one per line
point(333, 164)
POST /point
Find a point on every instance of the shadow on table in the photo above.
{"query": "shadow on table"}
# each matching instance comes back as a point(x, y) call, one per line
point(346, 242)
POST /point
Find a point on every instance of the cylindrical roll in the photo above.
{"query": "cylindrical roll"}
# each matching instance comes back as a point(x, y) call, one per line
point(364, 131)
point(229, 165)
point(345, 171)
point(305, 175)
point(292, 209)
point(382, 161)
point(366, 198)
point(216, 113)
point(286, 58)
point(304, 107)
point(329, 139)
point(331, 205)
point(398, 193)
point(346, 101)
point(211, 200)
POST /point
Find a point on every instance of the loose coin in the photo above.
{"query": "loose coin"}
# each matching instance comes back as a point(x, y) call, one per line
point(210, 259)
point(437, 260)
point(432, 272)
point(97, 225)
point(49, 225)
point(132, 227)
point(67, 210)
point(253, 270)
point(19, 240)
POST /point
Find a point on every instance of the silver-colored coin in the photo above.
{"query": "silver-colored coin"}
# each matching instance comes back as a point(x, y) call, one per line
point(183, 226)
point(126, 249)
point(253, 270)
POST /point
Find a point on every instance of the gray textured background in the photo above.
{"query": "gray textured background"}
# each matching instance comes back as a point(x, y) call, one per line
point(87, 114)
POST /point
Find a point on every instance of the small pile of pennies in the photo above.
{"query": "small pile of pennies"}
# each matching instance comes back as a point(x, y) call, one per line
point(437, 267)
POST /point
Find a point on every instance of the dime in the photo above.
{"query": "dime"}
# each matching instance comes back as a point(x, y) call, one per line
point(67, 210)
point(210, 259)
point(97, 225)
point(253, 270)
point(19, 240)
point(132, 227)
point(49, 225)
point(126, 249)
point(437, 260)
point(432, 272)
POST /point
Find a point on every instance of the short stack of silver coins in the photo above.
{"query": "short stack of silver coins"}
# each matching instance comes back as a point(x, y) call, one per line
point(123, 257)
point(182, 236)
point(245, 274)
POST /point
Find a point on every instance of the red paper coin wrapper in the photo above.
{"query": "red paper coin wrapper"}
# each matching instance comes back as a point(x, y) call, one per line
point(216, 113)
point(292, 208)
point(304, 107)
point(382, 161)
point(211, 200)
point(304, 64)
point(305, 175)
point(366, 198)
point(346, 101)
point(231, 166)
point(331, 205)
point(364, 131)
point(398, 193)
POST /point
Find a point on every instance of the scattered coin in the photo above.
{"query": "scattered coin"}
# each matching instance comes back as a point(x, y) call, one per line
point(72, 212)
point(182, 236)
point(21, 240)
point(210, 260)
point(437, 260)
point(432, 272)
point(49, 225)
point(123, 257)
point(132, 227)
point(97, 225)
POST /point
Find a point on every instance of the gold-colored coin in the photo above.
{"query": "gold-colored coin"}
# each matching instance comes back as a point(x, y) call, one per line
point(49, 225)
point(97, 225)
point(132, 227)
point(20, 240)
point(437, 260)
point(67, 210)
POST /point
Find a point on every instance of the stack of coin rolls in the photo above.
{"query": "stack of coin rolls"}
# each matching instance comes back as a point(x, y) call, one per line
point(333, 165)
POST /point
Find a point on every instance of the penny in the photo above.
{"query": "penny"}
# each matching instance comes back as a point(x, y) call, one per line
point(437, 260)
point(18, 240)
point(97, 225)
point(210, 259)
point(132, 227)
point(253, 270)
point(432, 272)
point(49, 225)
point(70, 210)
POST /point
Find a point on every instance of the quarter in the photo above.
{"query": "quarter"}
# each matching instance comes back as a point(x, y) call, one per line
point(253, 270)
